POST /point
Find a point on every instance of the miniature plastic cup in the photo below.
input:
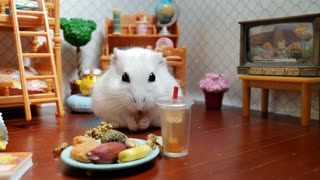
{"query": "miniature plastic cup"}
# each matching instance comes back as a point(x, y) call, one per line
point(175, 125)
point(142, 27)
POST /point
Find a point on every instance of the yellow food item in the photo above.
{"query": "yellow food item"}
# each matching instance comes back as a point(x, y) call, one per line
point(134, 153)
point(130, 143)
point(2, 145)
point(82, 145)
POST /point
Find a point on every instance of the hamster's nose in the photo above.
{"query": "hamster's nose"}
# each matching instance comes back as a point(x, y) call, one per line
point(135, 101)
point(140, 107)
point(139, 103)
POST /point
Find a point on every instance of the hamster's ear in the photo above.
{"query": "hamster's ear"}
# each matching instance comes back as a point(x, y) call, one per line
point(162, 60)
point(115, 50)
point(114, 56)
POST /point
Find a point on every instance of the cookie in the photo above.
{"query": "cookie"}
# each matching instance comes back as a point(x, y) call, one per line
point(82, 145)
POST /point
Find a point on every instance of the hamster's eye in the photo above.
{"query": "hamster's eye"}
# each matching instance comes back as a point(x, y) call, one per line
point(125, 77)
point(152, 78)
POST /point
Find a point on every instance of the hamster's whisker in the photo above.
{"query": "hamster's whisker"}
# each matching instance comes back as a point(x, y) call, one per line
point(115, 93)
point(121, 107)
point(117, 100)
point(116, 105)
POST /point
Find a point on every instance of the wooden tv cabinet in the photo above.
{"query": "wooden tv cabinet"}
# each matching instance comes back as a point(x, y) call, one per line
point(303, 84)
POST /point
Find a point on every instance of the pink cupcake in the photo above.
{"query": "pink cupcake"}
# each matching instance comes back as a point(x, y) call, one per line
point(213, 82)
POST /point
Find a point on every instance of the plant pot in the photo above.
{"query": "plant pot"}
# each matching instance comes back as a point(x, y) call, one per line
point(74, 87)
point(213, 100)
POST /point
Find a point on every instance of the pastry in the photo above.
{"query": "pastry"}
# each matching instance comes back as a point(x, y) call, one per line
point(82, 144)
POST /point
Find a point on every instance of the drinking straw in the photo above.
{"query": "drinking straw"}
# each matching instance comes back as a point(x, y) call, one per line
point(175, 92)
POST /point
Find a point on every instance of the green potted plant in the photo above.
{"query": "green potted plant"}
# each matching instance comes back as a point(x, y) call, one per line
point(77, 32)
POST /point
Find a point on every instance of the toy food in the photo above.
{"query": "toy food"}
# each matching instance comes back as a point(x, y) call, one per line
point(82, 145)
point(59, 149)
point(131, 143)
point(135, 153)
point(105, 153)
point(98, 131)
point(88, 148)
point(113, 136)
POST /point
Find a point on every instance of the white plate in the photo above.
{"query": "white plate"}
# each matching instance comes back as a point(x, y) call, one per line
point(65, 156)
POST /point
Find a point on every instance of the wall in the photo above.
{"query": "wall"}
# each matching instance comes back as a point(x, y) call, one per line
point(210, 31)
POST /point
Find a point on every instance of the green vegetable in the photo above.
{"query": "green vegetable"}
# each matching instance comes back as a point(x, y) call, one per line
point(113, 136)
point(77, 31)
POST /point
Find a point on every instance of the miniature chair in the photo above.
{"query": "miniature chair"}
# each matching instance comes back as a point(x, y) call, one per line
point(176, 58)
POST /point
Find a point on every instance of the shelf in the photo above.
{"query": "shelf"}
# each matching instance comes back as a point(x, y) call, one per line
point(141, 35)
point(130, 38)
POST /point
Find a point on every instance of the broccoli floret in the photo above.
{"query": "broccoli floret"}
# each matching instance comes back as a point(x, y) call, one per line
point(113, 136)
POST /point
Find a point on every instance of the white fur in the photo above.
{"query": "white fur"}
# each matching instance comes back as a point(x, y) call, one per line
point(118, 102)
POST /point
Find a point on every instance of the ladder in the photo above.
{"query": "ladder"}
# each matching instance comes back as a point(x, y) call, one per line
point(18, 16)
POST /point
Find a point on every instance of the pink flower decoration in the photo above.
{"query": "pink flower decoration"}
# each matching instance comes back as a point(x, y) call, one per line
point(213, 82)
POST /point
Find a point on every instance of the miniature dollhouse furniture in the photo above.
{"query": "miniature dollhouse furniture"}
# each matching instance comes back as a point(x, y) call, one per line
point(176, 56)
point(303, 84)
point(34, 23)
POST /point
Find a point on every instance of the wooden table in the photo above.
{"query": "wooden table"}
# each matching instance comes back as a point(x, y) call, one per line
point(303, 84)
point(223, 145)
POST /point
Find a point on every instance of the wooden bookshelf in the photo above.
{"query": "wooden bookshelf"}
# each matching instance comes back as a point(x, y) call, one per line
point(129, 37)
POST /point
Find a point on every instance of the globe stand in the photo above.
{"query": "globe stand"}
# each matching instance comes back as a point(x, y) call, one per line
point(164, 30)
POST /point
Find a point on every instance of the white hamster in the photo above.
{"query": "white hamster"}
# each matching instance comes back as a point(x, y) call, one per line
point(125, 95)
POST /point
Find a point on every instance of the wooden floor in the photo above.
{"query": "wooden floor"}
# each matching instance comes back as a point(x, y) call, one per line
point(223, 145)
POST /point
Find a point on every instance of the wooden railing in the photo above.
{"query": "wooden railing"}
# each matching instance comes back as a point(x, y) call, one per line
point(50, 6)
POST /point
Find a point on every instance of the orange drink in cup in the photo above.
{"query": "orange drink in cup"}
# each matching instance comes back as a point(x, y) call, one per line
point(175, 125)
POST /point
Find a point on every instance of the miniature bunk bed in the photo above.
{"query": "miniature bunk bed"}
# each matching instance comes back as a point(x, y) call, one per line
point(45, 81)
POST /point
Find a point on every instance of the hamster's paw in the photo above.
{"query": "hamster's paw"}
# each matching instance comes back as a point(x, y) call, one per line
point(132, 125)
point(155, 123)
point(115, 125)
point(144, 124)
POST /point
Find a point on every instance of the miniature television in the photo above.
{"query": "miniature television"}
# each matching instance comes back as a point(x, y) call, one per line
point(286, 46)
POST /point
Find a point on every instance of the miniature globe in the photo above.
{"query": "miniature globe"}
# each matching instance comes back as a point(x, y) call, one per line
point(167, 13)
point(164, 12)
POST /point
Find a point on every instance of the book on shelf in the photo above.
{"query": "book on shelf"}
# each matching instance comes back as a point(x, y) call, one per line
point(13, 165)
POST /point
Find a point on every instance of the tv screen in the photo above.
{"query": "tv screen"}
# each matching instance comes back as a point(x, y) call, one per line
point(281, 46)
point(281, 43)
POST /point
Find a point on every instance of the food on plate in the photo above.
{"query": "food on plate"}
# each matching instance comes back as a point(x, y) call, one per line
point(106, 153)
point(83, 139)
point(134, 153)
point(82, 145)
point(154, 141)
point(98, 131)
point(113, 136)
point(104, 145)
point(130, 143)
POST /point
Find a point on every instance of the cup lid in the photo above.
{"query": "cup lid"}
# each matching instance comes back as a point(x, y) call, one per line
point(180, 102)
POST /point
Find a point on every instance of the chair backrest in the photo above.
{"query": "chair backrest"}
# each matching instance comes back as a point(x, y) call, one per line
point(176, 58)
